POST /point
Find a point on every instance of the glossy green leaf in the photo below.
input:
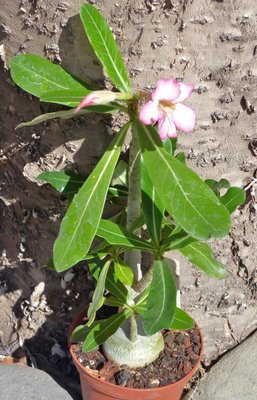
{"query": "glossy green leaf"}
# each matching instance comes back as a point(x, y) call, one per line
point(98, 296)
point(181, 157)
point(201, 255)
point(103, 329)
point(138, 223)
point(113, 284)
point(37, 75)
point(190, 201)
point(233, 198)
point(120, 174)
point(80, 332)
point(152, 207)
point(123, 272)
point(120, 236)
point(118, 191)
point(170, 145)
point(116, 287)
point(182, 321)
point(64, 182)
point(50, 264)
point(112, 301)
point(95, 266)
point(177, 241)
point(161, 302)
point(67, 114)
point(216, 186)
point(105, 47)
point(122, 218)
point(80, 223)
point(69, 97)
point(167, 229)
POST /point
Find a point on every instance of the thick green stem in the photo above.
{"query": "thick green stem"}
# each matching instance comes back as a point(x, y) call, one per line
point(133, 328)
point(133, 257)
point(144, 282)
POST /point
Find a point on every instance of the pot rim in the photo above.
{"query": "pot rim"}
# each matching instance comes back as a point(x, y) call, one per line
point(81, 317)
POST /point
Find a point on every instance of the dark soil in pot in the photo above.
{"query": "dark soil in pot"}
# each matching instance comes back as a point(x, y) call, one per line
point(181, 352)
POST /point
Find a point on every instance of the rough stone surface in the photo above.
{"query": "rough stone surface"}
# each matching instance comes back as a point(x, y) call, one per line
point(233, 377)
point(25, 383)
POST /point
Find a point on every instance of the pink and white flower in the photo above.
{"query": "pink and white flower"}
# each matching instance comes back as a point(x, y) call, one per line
point(165, 107)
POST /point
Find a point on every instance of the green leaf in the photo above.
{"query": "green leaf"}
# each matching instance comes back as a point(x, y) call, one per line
point(119, 236)
point(123, 272)
point(103, 329)
point(140, 307)
point(189, 200)
point(105, 47)
point(80, 223)
point(118, 191)
point(116, 287)
point(80, 332)
point(181, 157)
point(95, 266)
point(161, 302)
point(233, 198)
point(182, 321)
point(170, 145)
point(138, 223)
point(66, 114)
point(69, 97)
point(120, 174)
point(37, 75)
point(64, 182)
point(112, 301)
point(201, 255)
point(50, 264)
point(216, 186)
point(122, 218)
point(98, 296)
point(113, 284)
point(152, 207)
point(177, 241)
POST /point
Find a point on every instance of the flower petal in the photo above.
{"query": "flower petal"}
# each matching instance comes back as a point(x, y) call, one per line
point(97, 97)
point(184, 118)
point(186, 91)
point(166, 127)
point(148, 113)
point(166, 89)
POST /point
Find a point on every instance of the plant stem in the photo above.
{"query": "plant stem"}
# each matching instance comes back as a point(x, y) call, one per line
point(133, 328)
point(141, 285)
point(133, 257)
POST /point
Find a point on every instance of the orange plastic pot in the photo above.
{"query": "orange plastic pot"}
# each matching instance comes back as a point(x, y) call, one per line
point(94, 388)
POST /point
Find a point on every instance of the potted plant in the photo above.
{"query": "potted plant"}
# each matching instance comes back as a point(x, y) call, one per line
point(163, 206)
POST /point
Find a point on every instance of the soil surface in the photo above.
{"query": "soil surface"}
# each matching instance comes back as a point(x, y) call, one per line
point(210, 43)
point(180, 354)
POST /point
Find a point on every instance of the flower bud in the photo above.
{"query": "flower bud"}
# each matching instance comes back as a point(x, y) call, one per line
point(97, 97)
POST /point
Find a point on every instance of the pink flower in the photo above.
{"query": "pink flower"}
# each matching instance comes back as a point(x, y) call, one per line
point(165, 107)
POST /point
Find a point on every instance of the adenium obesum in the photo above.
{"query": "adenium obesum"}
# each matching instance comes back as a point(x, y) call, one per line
point(162, 204)
point(164, 107)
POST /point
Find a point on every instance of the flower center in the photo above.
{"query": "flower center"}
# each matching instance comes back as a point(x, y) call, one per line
point(166, 106)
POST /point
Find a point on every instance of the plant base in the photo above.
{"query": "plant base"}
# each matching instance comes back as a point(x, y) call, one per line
point(94, 388)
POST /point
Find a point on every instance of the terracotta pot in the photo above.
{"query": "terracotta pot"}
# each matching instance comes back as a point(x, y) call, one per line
point(94, 388)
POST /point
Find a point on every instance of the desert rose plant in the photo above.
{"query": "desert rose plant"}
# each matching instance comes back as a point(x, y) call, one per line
point(163, 204)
